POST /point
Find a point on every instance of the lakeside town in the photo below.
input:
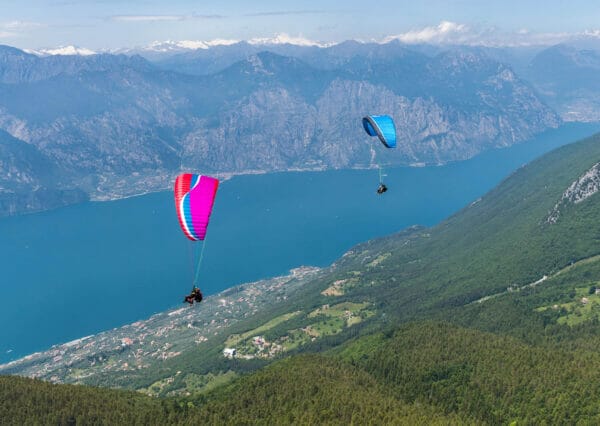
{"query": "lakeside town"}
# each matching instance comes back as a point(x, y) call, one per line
point(163, 336)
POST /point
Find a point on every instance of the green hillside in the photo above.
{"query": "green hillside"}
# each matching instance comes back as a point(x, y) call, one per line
point(315, 389)
point(502, 240)
point(33, 402)
point(421, 373)
point(301, 390)
point(490, 317)
point(494, 379)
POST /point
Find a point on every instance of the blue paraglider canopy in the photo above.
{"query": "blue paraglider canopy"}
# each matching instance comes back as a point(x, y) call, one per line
point(381, 126)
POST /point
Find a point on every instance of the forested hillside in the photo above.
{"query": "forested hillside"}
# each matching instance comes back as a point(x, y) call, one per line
point(302, 390)
point(26, 401)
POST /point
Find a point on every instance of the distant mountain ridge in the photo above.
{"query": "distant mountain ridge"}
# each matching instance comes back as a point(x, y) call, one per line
point(564, 75)
point(114, 125)
point(568, 78)
point(17, 66)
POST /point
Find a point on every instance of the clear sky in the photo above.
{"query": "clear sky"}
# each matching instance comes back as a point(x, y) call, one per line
point(110, 24)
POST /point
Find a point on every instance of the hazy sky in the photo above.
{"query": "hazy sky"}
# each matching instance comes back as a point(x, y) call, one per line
point(112, 24)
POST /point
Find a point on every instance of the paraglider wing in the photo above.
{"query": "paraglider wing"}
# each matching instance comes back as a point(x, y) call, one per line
point(381, 126)
point(194, 199)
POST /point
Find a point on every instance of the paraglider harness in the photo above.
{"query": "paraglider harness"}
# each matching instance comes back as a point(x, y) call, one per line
point(194, 296)
point(382, 188)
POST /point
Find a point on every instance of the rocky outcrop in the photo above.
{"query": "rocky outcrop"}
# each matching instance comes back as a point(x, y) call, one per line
point(583, 188)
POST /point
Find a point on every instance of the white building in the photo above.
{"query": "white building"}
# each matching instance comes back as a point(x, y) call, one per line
point(229, 352)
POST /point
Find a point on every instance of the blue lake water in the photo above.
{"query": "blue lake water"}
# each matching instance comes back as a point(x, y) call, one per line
point(82, 269)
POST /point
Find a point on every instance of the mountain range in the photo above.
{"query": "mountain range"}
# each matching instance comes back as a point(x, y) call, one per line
point(563, 75)
point(111, 125)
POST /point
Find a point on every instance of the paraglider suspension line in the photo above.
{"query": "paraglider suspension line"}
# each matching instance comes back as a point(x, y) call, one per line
point(199, 263)
point(191, 260)
point(381, 174)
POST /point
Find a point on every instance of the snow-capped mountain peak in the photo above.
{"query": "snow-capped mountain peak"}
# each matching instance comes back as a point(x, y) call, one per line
point(172, 45)
point(64, 51)
point(284, 38)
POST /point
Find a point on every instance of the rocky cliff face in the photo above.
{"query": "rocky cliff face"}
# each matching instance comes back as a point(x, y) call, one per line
point(587, 185)
point(112, 125)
